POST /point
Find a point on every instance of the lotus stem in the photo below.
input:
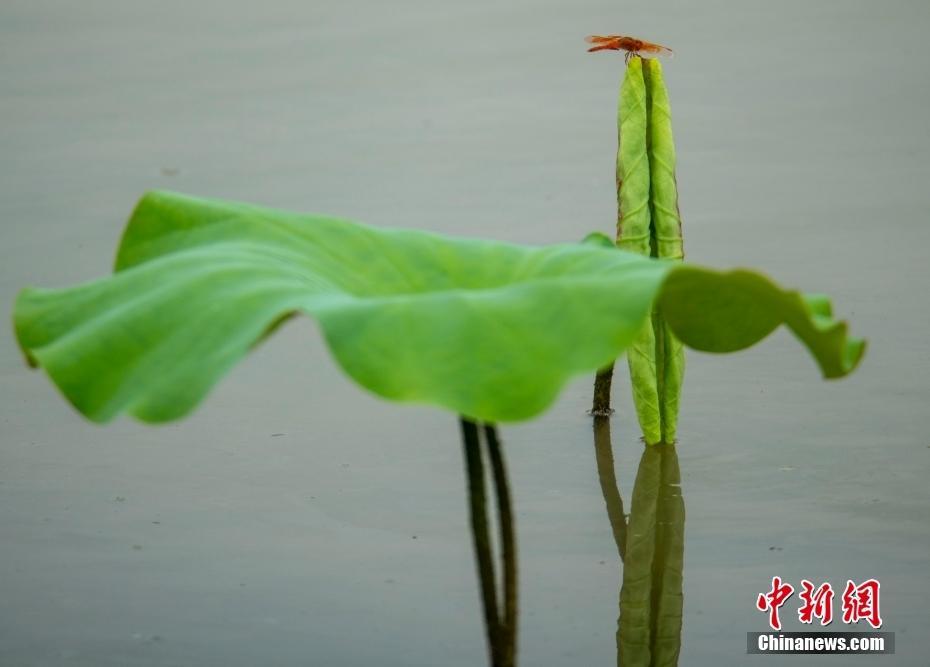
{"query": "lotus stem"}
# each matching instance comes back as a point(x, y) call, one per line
point(481, 535)
point(602, 381)
point(508, 630)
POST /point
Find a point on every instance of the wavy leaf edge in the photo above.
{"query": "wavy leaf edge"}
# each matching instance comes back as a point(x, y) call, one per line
point(81, 355)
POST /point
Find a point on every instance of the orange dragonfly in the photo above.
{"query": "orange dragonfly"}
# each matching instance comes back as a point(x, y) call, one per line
point(632, 46)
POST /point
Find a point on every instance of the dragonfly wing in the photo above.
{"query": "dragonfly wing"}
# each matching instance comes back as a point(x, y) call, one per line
point(655, 50)
point(600, 39)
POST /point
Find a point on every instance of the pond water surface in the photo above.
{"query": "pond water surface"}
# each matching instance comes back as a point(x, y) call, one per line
point(297, 520)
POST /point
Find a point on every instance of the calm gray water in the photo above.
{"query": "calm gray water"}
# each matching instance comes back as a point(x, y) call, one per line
point(295, 519)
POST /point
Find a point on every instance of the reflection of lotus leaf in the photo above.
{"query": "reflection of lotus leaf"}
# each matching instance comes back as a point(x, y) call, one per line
point(490, 330)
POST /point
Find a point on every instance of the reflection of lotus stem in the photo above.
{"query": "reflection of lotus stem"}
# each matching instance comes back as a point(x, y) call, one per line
point(604, 456)
point(501, 634)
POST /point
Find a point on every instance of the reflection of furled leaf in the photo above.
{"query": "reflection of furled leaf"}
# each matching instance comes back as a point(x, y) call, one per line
point(651, 596)
point(490, 330)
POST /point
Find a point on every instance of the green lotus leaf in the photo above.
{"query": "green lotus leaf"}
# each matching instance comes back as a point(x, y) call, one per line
point(490, 330)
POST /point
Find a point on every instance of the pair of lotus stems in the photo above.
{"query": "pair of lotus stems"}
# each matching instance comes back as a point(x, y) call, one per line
point(648, 223)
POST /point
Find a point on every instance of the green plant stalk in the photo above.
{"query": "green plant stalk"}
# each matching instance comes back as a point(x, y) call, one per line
point(649, 224)
point(600, 407)
point(481, 535)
